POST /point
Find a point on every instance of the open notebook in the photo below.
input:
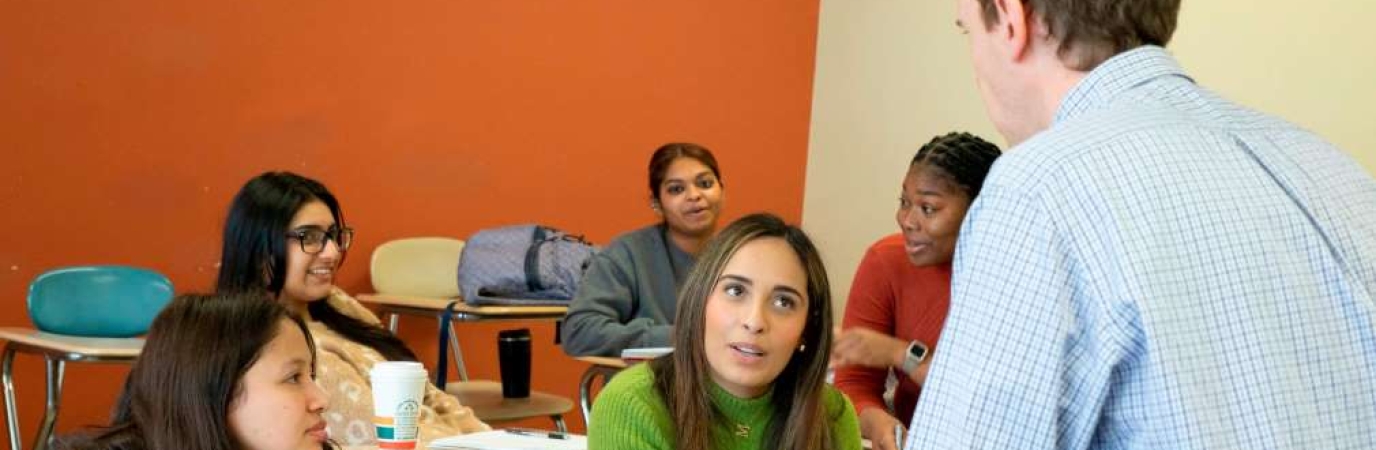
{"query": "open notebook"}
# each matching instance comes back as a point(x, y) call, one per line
point(509, 440)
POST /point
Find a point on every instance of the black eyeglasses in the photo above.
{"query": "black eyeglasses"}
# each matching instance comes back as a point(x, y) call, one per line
point(313, 239)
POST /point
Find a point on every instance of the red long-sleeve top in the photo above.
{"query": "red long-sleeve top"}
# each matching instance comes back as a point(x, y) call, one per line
point(892, 296)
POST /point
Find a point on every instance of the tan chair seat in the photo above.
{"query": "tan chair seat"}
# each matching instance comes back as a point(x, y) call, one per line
point(419, 267)
point(420, 275)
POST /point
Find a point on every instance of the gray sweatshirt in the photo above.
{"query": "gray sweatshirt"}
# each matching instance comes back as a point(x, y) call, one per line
point(627, 296)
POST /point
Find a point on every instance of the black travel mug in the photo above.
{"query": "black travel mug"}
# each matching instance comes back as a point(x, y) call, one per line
point(513, 357)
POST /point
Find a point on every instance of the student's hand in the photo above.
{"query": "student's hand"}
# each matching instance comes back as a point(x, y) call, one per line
point(877, 425)
point(864, 347)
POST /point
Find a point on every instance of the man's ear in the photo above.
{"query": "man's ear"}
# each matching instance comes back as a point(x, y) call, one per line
point(1014, 27)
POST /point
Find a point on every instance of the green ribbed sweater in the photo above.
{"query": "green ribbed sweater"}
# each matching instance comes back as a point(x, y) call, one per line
point(629, 414)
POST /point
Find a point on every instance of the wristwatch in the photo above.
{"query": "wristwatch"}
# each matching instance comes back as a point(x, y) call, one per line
point(916, 354)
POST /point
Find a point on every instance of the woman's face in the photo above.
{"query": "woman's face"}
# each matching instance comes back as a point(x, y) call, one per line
point(755, 316)
point(278, 405)
point(309, 277)
point(930, 210)
point(690, 198)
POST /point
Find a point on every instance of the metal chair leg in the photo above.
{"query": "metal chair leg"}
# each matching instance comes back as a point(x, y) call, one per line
point(392, 319)
point(7, 377)
point(559, 423)
point(458, 353)
point(585, 394)
point(590, 376)
point(45, 432)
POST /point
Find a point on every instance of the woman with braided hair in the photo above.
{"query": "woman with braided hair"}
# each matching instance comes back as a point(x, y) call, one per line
point(902, 289)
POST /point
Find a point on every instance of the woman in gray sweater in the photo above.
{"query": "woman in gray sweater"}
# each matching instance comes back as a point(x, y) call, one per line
point(627, 296)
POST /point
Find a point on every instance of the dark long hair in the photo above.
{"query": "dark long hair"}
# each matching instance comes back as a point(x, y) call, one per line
point(798, 421)
point(254, 254)
point(179, 393)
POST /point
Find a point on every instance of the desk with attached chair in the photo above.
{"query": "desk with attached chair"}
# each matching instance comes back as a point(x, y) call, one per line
point(82, 314)
point(419, 276)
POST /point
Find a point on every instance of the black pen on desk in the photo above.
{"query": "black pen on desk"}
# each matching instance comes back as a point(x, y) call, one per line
point(537, 433)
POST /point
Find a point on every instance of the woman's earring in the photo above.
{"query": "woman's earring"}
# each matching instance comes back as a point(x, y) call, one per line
point(802, 347)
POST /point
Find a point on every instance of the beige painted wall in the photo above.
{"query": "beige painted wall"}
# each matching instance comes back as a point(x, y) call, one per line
point(893, 73)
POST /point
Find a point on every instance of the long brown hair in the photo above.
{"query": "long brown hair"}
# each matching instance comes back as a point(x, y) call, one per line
point(798, 420)
point(179, 393)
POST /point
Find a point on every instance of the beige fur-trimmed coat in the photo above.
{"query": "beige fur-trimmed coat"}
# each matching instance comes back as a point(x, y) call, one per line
point(342, 370)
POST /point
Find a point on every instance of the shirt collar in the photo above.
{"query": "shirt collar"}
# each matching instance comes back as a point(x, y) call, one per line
point(1118, 74)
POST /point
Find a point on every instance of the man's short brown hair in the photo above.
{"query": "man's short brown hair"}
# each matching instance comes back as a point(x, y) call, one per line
point(1092, 31)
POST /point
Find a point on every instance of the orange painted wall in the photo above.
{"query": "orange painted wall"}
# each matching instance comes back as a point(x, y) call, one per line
point(126, 126)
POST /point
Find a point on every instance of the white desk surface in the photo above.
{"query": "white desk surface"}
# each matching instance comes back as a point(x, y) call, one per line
point(95, 347)
point(604, 361)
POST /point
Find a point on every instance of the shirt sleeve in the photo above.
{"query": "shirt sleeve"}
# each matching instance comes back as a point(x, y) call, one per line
point(1016, 368)
point(600, 318)
point(870, 305)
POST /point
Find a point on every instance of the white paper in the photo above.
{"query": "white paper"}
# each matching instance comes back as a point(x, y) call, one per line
point(502, 440)
point(645, 352)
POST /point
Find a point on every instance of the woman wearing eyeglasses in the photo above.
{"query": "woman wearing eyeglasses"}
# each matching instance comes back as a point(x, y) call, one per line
point(286, 235)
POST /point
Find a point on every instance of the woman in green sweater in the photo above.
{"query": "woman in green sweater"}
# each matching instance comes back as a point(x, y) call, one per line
point(750, 359)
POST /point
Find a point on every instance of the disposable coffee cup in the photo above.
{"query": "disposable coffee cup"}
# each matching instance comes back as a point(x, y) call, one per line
point(513, 359)
point(398, 389)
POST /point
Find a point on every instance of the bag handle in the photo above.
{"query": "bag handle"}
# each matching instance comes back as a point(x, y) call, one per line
point(442, 372)
point(532, 265)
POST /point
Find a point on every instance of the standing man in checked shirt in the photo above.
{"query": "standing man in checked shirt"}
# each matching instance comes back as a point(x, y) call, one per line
point(1150, 266)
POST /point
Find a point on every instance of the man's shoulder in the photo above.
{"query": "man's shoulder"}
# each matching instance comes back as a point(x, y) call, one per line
point(1128, 131)
point(1145, 128)
point(1104, 129)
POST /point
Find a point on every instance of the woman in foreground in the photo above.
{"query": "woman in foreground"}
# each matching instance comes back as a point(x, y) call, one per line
point(750, 356)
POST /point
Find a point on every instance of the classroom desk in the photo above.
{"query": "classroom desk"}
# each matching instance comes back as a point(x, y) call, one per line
point(483, 396)
point(602, 367)
point(394, 305)
point(486, 396)
point(56, 350)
